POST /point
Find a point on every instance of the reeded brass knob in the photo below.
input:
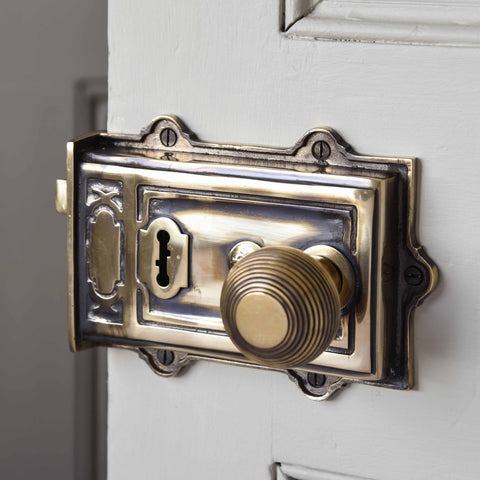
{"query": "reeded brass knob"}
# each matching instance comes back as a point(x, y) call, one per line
point(281, 307)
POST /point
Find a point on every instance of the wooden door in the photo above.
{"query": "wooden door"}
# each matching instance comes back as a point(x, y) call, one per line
point(404, 81)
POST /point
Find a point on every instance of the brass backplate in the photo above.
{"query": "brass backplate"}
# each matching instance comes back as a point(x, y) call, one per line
point(152, 219)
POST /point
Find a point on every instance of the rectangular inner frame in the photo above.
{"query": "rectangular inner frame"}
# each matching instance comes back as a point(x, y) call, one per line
point(360, 200)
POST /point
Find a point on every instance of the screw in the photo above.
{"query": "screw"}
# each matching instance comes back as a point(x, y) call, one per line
point(165, 357)
point(321, 150)
point(316, 380)
point(413, 276)
point(168, 137)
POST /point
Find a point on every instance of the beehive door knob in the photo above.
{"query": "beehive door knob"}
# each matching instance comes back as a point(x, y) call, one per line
point(281, 307)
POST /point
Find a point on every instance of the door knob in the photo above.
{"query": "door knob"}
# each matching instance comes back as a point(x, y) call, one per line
point(281, 307)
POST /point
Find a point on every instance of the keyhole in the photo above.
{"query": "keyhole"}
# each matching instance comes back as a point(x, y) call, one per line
point(164, 253)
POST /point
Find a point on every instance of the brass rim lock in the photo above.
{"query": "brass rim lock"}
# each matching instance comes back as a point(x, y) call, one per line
point(302, 260)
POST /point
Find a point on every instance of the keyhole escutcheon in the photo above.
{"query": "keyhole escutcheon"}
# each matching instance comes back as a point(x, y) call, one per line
point(164, 254)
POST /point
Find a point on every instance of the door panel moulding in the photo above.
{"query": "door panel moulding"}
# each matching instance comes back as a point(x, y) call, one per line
point(412, 22)
point(285, 471)
point(295, 10)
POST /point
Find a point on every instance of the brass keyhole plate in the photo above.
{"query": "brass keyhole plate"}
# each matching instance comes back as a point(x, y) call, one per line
point(132, 285)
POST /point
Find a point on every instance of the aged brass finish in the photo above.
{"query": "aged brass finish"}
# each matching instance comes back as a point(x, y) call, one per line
point(252, 307)
point(241, 250)
point(339, 268)
point(104, 252)
point(158, 221)
point(280, 307)
point(176, 258)
point(61, 197)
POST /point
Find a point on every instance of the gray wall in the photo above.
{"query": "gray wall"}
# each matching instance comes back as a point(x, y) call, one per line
point(45, 47)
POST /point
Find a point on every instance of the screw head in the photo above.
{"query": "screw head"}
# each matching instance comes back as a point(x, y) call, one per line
point(413, 276)
point(321, 150)
point(165, 357)
point(316, 380)
point(168, 137)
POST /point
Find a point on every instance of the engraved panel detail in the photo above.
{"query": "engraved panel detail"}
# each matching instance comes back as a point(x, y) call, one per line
point(104, 252)
point(105, 249)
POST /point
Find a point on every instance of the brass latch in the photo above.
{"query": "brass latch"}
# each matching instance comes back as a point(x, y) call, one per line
point(301, 259)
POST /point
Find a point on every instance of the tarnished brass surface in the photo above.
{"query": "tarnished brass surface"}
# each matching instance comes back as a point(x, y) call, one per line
point(241, 250)
point(259, 306)
point(265, 210)
point(339, 268)
point(61, 197)
point(176, 258)
point(104, 252)
point(280, 307)
point(210, 198)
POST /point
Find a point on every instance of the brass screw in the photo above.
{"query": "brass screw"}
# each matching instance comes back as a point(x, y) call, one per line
point(168, 137)
point(321, 150)
point(316, 380)
point(165, 357)
point(413, 276)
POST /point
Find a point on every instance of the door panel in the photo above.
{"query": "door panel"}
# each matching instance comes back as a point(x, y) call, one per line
point(202, 425)
point(227, 70)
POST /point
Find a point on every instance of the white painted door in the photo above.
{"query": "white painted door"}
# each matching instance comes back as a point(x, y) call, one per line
point(227, 69)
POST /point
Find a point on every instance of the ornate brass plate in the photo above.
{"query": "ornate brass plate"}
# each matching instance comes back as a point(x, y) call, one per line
point(153, 221)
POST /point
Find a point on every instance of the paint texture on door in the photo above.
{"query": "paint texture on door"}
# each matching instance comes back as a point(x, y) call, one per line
point(230, 73)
